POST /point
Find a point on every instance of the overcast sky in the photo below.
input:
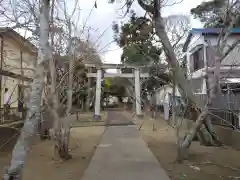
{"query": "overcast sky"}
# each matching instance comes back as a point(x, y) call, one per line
point(100, 20)
point(103, 16)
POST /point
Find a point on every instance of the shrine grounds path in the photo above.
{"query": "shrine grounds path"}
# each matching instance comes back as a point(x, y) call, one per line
point(123, 155)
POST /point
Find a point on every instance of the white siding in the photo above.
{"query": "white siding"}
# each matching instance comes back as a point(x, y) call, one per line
point(233, 57)
point(214, 39)
point(12, 63)
point(162, 94)
point(196, 40)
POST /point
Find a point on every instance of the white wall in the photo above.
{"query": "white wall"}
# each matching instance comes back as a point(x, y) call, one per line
point(196, 40)
point(233, 56)
point(231, 59)
point(231, 39)
point(162, 94)
point(12, 63)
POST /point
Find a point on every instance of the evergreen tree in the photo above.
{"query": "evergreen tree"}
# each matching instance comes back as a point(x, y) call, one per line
point(212, 13)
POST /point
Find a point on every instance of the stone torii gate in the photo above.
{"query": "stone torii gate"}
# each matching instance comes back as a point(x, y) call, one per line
point(99, 74)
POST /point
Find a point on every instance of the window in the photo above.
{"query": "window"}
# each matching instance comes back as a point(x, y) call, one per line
point(198, 59)
point(211, 55)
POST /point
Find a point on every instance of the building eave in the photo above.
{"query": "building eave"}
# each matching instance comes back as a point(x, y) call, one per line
point(16, 36)
point(14, 75)
point(206, 31)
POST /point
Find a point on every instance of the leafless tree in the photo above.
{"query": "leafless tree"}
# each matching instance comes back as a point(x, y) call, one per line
point(22, 147)
point(41, 18)
point(74, 56)
point(153, 9)
point(177, 27)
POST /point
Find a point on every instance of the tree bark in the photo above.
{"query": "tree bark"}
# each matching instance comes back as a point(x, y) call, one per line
point(54, 99)
point(173, 63)
point(65, 126)
point(185, 86)
point(61, 127)
point(29, 129)
point(174, 120)
point(70, 86)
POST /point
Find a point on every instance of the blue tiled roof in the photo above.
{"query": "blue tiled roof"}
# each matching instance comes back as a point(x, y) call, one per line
point(212, 30)
point(215, 31)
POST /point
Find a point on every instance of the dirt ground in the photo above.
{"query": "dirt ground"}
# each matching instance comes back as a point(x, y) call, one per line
point(40, 165)
point(204, 163)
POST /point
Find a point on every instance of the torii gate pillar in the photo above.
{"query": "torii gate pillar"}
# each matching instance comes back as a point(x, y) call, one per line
point(138, 92)
point(97, 115)
point(136, 75)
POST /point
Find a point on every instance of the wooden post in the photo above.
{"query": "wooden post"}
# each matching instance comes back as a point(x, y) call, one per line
point(89, 90)
point(138, 92)
point(98, 95)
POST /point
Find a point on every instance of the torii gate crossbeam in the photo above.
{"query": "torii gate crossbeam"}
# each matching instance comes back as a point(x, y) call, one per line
point(136, 75)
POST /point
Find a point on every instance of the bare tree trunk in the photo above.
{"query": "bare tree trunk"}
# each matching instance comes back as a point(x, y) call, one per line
point(174, 101)
point(180, 79)
point(185, 86)
point(62, 126)
point(173, 63)
point(175, 120)
point(44, 129)
point(88, 101)
point(54, 103)
point(29, 129)
point(171, 58)
point(54, 99)
point(70, 86)
point(65, 126)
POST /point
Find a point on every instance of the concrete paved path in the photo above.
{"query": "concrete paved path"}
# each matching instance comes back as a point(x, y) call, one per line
point(123, 155)
point(116, 118)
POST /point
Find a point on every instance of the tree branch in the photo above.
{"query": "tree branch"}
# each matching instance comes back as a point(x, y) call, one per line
point(146, 7)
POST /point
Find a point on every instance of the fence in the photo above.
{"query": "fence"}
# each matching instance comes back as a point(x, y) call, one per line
point(224, 110)
point(225, 117)
point(12, 115)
